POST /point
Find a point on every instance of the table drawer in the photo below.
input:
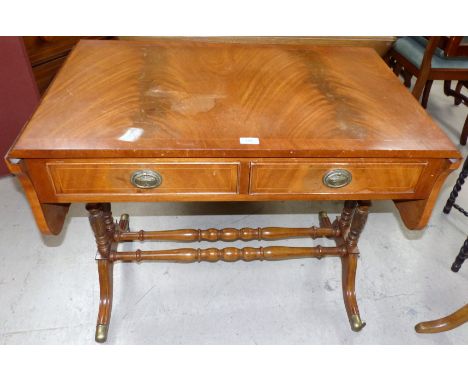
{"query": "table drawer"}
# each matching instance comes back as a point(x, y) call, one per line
point(152, 177)
point(343, 177)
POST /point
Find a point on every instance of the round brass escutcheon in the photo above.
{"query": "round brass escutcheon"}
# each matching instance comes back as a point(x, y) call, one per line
point(146, 179)
point(337, 178)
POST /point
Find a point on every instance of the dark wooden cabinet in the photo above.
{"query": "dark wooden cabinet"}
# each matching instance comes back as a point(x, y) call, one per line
point(48, 53)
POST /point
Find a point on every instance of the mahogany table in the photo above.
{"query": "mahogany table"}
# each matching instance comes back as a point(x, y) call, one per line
point(191, 121)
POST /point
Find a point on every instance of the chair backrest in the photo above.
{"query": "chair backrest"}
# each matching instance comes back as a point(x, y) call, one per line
point(425, 67)
point(454, 46)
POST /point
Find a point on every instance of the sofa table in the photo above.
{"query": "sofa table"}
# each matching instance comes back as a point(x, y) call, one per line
point(194, 121)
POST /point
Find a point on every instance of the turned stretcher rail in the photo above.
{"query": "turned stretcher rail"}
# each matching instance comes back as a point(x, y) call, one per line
point(189, 255)
point(227, 234)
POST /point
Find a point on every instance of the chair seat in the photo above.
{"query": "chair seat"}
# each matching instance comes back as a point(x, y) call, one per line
point(412, 48)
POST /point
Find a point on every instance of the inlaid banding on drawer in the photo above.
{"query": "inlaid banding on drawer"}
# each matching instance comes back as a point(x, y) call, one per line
point(115, 178)
point(307, 177)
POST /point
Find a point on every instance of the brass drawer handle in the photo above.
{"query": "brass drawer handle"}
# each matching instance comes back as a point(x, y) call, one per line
point(337, 178)
point(146, 179)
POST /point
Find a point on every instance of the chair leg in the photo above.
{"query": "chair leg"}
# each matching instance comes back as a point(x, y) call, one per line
point(407, 77)
point(461, 257)
point(388, 59)
point(464, 134)
point(419, 87)
point(397, 68)
point(458, 100)
point(445, 323)
point(427, 90)
point(458, 97)
point(447, 87)
point(457, 188)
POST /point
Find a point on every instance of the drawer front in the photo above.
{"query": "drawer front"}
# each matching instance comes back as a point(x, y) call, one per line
point(126, 178)
point(357, 178)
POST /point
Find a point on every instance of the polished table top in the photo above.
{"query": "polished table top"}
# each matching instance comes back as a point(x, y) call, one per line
point(120, 99)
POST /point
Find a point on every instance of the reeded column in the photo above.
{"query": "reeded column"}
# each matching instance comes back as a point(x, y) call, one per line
point(346, 215)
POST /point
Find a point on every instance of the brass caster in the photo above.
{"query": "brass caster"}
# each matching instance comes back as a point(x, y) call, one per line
point(356, 323)
point(323, 215)
point(101, 333)
point(124, 223)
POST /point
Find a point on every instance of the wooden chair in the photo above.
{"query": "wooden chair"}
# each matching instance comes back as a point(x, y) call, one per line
point(461, 315)
point(460, 98)
point(436, 58)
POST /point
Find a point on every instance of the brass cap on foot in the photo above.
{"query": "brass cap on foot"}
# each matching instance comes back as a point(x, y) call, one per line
point(101, 333)
point(323, 214)
point(356, 323)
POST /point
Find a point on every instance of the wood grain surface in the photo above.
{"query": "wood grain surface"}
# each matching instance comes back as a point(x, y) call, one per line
point(115, 178)
point(185, 99)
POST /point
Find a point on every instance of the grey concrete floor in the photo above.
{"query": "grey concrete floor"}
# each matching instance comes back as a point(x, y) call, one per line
point(49, 286)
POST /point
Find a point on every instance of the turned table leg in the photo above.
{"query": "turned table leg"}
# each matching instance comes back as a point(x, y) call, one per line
point(349, 265)
point(100, 218)
point(345, 231)
point(446, 323)
point(351, 223)
point(105, 269)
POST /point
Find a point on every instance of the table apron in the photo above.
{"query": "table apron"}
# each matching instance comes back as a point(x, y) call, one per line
point(226, 179)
